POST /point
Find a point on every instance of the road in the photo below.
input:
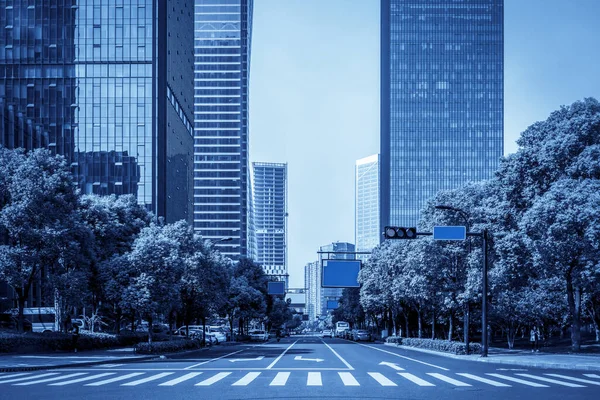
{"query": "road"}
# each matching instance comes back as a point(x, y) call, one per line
point(302, 368)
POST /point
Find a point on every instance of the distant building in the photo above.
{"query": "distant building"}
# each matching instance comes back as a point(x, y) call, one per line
point(442, 100)
point(269, 217)
point(332, 293)
point(312, 283)
point(223, 35)
point(367, 232)
point(297, 297)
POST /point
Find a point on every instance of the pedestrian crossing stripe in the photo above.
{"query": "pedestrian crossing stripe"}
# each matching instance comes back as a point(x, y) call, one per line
point(312, 378)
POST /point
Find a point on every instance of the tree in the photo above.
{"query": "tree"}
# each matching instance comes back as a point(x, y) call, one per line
point(38, 199)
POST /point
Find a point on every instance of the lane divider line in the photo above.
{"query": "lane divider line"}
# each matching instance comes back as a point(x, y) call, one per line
point(281, 355)
point(338, 356)
point(401, 356)
point(213, 359)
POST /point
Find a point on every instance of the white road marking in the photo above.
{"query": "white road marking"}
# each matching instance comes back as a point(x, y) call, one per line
point(406, 358)
point(540, 378)
point(213, 359)
point(148, 379)
point(338, 356)
point(28, 377)
point(108, 365)
point(216, 378)
point(592, 375)
point(3, 376)
point(575, 379)
point(392, 365)
point(56, 378)
point(185, 377)
point(513, 379)
point(348, 379)
point(247, 359)
point(86, 378)
point(415, 379)
point(382, 380)
point(447, 379)
point(484, 380)
point(299, 358)
point(118, 378)
point(314, 379)
point(281, 355)
point(249, 377)
point(280, 379)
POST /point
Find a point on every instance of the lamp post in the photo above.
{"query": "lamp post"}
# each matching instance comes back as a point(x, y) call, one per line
point(464, 216)
point(484, 284)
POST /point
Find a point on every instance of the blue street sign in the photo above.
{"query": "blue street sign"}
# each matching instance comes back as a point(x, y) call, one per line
point(340, 273)
point(449, 233)
point(332, 304)
point(276, 288)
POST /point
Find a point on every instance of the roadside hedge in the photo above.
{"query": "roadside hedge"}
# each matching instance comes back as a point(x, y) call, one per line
point(172, 346)
point(32, 342)
point(436, 345)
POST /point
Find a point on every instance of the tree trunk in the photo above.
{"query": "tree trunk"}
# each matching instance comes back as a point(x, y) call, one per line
point(450, 327)
point(150, 331)
point(405, 323)
point(420, 333)
point(204, 330)
point(466, 325)
point(21, 318)
point(574, 299)
point(433, 324)
point(511, 334)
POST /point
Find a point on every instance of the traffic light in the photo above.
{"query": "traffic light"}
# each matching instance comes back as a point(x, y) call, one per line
point(396, 232)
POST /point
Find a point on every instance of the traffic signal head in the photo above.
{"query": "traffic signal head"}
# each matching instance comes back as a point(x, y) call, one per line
point(396, 232)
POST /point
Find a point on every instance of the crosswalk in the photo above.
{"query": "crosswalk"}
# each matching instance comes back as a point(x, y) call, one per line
point(310, 378)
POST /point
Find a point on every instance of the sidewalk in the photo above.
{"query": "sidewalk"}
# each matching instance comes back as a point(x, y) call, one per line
point(524, 358)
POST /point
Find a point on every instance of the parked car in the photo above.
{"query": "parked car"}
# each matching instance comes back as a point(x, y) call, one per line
point(272, 333)
point(219, 332)
point(347, 334)
point(327, 333)
point(258, 335)
point(361, 334)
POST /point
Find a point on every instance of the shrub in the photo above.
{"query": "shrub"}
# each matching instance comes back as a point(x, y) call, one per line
point(172, 346)
point(31, 342)
point(441, 345)
point(394, 339)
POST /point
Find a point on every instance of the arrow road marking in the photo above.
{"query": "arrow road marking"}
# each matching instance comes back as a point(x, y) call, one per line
point(392, 365)
point(247, 359)
point(299, 358)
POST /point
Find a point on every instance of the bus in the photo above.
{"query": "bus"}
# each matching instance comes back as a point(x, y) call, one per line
point(340, 327)
point(43, 319)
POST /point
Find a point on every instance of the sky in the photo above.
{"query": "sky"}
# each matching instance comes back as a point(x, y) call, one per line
point(314, 96)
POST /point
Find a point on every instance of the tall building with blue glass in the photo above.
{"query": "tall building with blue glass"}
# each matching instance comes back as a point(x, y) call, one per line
point(107, 84)
point(442, 85)
point(221, 166)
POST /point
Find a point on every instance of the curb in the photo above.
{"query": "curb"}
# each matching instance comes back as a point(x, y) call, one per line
point(493, 360)
point(99, 362)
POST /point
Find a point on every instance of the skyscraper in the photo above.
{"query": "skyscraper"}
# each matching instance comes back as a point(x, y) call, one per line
point(367, 233)
point(270, 217)
point(221, 185)
point(442, 88)
point(109, 86)
point(337, 251)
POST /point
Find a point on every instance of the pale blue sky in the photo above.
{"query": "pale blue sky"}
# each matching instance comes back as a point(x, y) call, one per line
point(314, 95)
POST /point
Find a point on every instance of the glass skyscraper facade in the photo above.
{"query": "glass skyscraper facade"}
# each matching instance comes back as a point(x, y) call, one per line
point(442, 83)
point(108, 84)
point(367, 234)
point(221, 76)
point(270, 217)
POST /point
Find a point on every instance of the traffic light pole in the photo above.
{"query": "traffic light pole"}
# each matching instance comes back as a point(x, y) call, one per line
point(484, 284)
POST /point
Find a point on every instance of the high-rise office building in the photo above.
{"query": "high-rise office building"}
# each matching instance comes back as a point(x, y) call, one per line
point(367, 234)
point(107, 84)
point(442, 85)
point(270, 217)
point(221, 178)
point(312, 285)
point(332, 251)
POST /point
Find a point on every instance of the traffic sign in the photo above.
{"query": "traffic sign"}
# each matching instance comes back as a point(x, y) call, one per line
point(332, 304)
point(276, 288)
point(449, 233)
point(340, 273)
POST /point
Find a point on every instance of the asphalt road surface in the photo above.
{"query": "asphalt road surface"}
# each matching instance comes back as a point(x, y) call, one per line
point(302, 368)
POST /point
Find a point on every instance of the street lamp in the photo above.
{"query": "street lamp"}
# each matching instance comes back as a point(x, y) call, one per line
point(464, 216)
point(484, 284)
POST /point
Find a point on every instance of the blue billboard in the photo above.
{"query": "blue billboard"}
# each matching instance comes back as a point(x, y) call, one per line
point(276, 288)
point(340, 273)
point(449, 233)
